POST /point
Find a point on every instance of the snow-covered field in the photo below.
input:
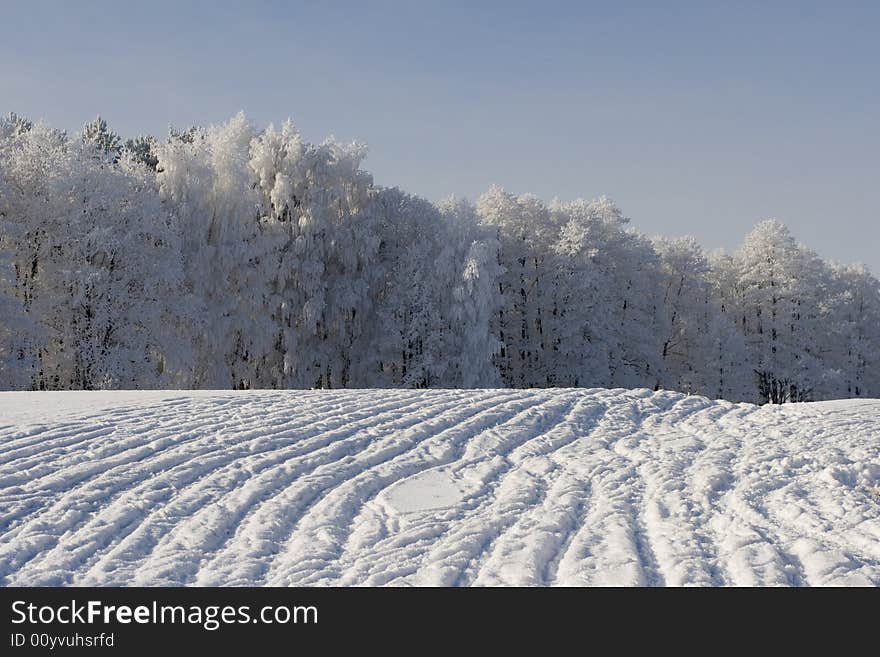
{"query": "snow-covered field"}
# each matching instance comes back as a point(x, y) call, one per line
point(437, 487)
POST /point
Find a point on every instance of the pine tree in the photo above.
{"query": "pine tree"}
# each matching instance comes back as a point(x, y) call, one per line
point(102, 138)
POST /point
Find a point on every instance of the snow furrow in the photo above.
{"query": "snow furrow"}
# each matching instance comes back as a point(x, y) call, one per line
point(436, 487)
point(194, 484)
point(261, 533)
point(430, 450)
point(141, 489)
point(195, 539)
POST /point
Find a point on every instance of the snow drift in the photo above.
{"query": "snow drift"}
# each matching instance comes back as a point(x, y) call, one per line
point(436, 487)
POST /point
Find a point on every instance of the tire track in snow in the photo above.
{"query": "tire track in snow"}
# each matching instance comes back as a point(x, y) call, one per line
point(314, 486)
point(84, 493)
point(528, 492)
point(710, 474)
point(197, 493)
point(828, 514)
point(45, 441)
point(671, 450)
point(261, 537)
point(609, 546)
point(431, 451)
point(462, 547)
point(747, 547)
point(775, 503)
point(535, 533)
point(205, 494)
point(184, 472)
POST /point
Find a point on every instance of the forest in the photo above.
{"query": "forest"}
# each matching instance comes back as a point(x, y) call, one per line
point(234, 257)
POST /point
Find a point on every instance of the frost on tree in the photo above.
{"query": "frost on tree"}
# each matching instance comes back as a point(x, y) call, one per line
point(95, 266)
point(779, 288)
point(235, 257)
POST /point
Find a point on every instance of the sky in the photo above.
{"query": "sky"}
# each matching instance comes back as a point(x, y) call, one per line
point(697, 118)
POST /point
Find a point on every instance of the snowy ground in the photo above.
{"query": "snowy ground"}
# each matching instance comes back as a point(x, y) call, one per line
point(485, 487)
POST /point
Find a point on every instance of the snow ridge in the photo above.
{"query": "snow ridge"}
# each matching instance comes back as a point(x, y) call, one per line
point(563, 487)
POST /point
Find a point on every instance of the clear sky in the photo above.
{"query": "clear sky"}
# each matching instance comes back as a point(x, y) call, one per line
point(697, 118)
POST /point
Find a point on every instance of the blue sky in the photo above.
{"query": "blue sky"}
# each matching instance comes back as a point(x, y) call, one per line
point(697, 118)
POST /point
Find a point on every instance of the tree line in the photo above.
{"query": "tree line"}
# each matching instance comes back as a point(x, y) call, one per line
point(234, 257)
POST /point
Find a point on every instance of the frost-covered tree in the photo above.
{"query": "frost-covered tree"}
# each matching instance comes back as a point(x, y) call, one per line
point(13, 124)
point(604, 321)
point(403, 343)
point(636, 279)
point(779, 285)
point(729, 372)
point(317, 206)
point(235, 257)
point(142, 149)
point(586, 334)
point(102, 137)
point(472, 296)
point(16, 335)
point(279, 248)
point(208, 184)
point(434, 297)
point(95, 265)
point(852, 331)
point(689, 316)
point(525, 230)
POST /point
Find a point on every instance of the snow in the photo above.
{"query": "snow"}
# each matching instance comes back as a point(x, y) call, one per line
point(235, 257)
point(436, 487)
point(426, 491)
